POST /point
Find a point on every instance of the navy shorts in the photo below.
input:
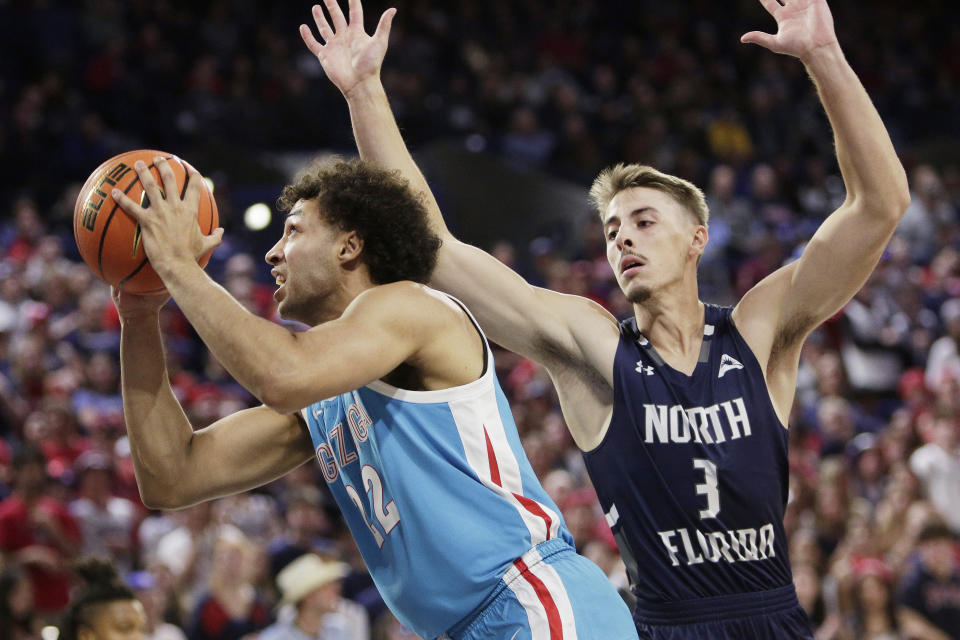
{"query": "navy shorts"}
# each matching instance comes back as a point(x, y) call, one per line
point(765, 615)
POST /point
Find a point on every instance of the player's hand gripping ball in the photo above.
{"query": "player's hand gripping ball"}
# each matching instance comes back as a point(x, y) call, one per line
point(109, 238)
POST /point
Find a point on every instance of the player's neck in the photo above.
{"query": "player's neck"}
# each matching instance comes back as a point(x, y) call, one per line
point(340, 297)
point(672, 320)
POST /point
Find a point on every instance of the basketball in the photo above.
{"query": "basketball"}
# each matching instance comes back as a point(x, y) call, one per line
point(109, 239)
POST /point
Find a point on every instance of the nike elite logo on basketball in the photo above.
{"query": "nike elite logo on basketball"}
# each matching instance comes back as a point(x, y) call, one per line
point(704, 425)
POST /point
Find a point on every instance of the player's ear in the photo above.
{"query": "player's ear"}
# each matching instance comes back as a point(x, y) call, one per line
point(699, 240)
point(351, 245)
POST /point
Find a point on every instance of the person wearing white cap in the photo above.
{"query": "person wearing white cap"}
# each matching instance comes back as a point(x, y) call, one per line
point(310, 586)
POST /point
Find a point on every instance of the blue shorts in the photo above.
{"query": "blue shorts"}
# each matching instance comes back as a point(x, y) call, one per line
point(764, 615)
point(550, 593)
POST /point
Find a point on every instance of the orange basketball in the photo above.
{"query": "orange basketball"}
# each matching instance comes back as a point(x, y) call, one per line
point(109, 238)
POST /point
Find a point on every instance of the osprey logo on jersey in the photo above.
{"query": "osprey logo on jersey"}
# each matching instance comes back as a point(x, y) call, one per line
point(727, 364)
point(642, 369)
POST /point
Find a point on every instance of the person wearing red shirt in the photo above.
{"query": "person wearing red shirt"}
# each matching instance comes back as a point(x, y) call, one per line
point(38, 533)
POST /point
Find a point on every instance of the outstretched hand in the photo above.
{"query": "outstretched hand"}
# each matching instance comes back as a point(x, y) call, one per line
point(348, 55)
point(803, 28)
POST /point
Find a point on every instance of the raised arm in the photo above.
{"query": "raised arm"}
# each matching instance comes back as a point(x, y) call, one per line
point(175, 465)
point(538, 323)
point(380, 329)
point(778, 313)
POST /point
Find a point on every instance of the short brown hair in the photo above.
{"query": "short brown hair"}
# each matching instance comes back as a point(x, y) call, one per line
point(379, 205)
point(620, 177)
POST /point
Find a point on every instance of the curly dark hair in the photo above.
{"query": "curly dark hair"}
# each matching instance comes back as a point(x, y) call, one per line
point(101, 586)
point(379, 205)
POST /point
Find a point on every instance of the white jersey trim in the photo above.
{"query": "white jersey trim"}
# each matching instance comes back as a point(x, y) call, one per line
point(481, 385)
point(468, 390)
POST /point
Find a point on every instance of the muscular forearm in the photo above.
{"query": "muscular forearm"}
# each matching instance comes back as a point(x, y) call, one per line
point(157, 427)
point(255, 351)
point(868, 162)
point(379, 141)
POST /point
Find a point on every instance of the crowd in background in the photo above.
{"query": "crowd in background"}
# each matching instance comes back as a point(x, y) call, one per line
point(563, 87)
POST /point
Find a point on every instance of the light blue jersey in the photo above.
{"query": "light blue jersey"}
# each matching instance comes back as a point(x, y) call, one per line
point(438, 494)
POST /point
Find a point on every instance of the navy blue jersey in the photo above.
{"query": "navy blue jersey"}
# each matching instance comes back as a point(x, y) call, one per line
point(692, 472)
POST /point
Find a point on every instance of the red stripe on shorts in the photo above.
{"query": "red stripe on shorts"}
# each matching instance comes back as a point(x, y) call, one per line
point(534, 507)
point(553, 614)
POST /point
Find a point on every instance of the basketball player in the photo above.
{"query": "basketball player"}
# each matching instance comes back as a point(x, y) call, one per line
point(392, 389)
point(680, 411)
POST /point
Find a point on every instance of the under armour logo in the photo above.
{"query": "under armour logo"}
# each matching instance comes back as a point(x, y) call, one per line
point(728, 363)
point(643, 369)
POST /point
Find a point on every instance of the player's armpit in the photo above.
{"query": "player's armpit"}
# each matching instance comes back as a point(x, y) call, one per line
point(234, 454)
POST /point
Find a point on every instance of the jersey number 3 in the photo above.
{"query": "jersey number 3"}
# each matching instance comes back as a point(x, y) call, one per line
point(708, 487)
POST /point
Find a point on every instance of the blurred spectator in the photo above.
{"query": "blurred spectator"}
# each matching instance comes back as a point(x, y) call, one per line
point(872, 610)
point(870, 474)
point(930, 593)
point(16, 606)
point(62, 444)
point(310, 589)
point(806, 580)
point(239, 278)
point(389, 628)
point(943, 363)
point(231, 607)
point(928, 214)
point(937, 465)
point(85, 328)
point(581, 510)
point(5, 460)
point(874, 353)
point(38, 533)
point(20, 239)
point(148, 590)
point(254, 513)
point(187, 551)
point(108, 522)
point(307, 529)
point(526, 144)
point(98, 403)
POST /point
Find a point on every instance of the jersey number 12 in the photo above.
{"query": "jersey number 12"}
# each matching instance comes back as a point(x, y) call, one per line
point(386, 514)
